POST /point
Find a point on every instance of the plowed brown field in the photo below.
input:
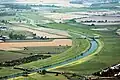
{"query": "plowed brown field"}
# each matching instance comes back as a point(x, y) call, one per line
point(20, 45)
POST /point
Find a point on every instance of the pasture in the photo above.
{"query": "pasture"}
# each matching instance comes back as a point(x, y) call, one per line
point(49, 33)
point(43, 77)
point(6, 55)
point(108, 56)
point(52, 50)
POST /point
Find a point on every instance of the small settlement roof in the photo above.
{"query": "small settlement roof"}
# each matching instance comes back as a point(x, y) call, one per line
point(3, 28)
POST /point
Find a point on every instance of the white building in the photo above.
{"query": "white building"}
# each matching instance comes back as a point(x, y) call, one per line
point(3, 28)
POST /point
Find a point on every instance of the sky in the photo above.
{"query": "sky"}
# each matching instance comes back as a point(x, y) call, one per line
point(37, 1)
point(45, 1)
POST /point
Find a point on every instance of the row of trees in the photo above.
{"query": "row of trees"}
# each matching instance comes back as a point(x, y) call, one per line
point(95, 21)
point(17, 36)
point(100, 21)
point(23, 37)
point(4, 21)
point(23, 60)
point(39, 37)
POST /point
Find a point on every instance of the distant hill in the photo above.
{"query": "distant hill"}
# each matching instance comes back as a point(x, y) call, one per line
point(76, 1)
point(65, 1)
point(7, 0)
point(93, 1)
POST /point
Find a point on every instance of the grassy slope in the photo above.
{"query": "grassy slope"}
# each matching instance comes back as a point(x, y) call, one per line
point(70, 28)
point(6, 55)
point(44, 50)
point(73, 51)
point(107, 57)
point(8, 71)
point(36, 17)
point(84, 9)
point(7, 32)
point(79, 45)
point(9, 18)
point(43, 77)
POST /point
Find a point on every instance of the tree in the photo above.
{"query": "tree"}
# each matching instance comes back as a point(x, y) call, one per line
point(4, 21)
point(21, 37)
point(43, 72)
point(72, 20)
point(4, 39)
point(41, 37)
point(17, 36)
point(11, 35)
point(92, 24)
point(34, 34)
point(56, 74)
point(105, 20)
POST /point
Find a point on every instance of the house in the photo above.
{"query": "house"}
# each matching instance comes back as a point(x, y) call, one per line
point(3, 28)
point(3, 38)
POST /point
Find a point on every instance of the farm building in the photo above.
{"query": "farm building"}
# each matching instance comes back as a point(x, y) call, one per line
point(3, 38)
point(3, 28)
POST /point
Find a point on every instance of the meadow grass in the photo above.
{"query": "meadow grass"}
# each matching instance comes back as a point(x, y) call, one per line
point(44, 50)
point(8, 71)
point(108, 56)
point(43, 77)
point(78, 46)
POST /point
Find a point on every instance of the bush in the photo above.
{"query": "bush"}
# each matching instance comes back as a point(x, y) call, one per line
point(17, 36)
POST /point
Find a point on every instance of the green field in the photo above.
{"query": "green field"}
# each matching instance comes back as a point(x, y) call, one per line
point(35, 17)
point(6, 55)
point(71, 28)
point(9, 18)
point(7, 32)
point(43, 77)
point(82, 9)
point(108, 56)
point(78, 46)
point(44, 50)
point(8, 71)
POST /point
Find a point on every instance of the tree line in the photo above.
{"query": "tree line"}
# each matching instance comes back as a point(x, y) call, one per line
point(17, 36)
point(23, 60)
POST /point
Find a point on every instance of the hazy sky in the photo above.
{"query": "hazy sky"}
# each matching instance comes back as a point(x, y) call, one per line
point(45, 1)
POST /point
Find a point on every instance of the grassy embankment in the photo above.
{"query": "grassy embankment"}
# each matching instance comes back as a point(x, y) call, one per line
point(79, 45)
point(44, 50)
point(108, 56)
point(42, 77)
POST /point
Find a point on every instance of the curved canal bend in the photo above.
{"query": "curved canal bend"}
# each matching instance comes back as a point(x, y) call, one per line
point(92, 48)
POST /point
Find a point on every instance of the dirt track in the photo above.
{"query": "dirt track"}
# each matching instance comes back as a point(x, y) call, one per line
point(20, 45)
